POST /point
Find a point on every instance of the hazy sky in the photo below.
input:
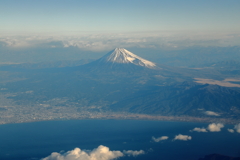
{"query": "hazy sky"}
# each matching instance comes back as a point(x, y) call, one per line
point(65, 16)
point(31, 28)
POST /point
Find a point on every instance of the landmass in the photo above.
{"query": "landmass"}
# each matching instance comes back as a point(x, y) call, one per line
point(12, 113)
point(219, 157)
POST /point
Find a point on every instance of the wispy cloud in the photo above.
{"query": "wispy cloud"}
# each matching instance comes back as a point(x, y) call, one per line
point(199, 129)
point(215, 127)
point(215, 82)
point(100, 153)
point(211, 113)
point(230, 130)
point(182, 137)
point(133, 153)
point(29, 41)
point(159, 138)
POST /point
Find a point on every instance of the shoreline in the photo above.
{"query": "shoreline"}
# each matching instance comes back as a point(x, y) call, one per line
point(129, 116)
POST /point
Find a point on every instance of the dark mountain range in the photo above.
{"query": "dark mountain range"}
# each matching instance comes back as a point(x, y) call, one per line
point(185, 98)
point(196, 56)
point(54, 64)
point(231, 67)
point(219, 157)
point(230, 64)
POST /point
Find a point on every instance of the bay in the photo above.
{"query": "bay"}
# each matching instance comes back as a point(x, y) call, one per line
point(36, 140)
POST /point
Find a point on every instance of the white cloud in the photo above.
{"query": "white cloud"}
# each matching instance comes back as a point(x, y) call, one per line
point(237, 127)
point(100, 153)
point(159, 138)
point(133, 153)
point(199, 130)
point(211, 113)
point(182, 137)
point(230, 130)
point(215, 127)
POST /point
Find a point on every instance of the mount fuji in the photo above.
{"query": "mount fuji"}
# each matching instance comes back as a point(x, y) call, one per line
point(121, 55)
point(121, 59)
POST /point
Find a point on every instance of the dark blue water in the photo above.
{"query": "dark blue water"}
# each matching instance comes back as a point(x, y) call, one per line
point(39, 139)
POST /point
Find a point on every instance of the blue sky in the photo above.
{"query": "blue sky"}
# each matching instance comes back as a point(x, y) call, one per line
point(66, 16)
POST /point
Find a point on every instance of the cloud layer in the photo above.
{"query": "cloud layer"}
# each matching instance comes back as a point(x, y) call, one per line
point(108, 41)
point(100, 153)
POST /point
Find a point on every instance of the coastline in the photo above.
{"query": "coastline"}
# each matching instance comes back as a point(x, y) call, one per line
point(122, 116)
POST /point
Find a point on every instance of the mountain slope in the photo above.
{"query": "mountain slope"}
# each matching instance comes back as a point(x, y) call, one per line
point(121, 55)
point(120, 59)
point(187, 98)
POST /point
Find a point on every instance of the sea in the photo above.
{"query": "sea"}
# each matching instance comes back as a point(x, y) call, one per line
point(37, 140)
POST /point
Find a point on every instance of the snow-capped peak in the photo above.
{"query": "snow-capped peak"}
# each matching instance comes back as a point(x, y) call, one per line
point(121, 55)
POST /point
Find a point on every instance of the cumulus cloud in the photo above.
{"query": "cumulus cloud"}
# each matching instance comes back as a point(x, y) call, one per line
point(100, 153)
point(215, 127)
point(211, 113)
point(237, 127)
point(182, 137)
point(159, 138)
point(230, 130)
point(199, 130)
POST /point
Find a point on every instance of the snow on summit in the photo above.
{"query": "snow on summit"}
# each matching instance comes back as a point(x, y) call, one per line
point(121, 55)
